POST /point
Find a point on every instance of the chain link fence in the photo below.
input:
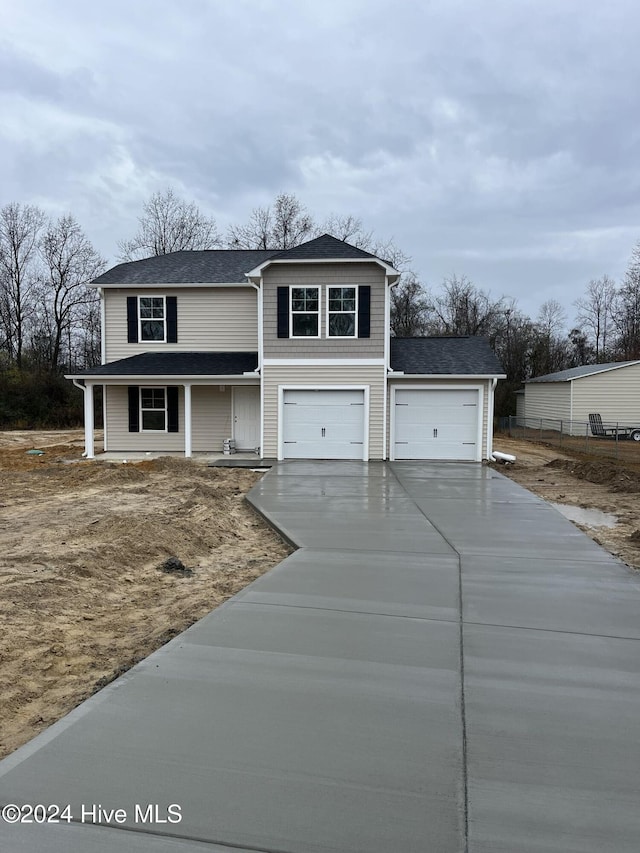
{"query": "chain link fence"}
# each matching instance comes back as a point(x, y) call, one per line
point(619, 441)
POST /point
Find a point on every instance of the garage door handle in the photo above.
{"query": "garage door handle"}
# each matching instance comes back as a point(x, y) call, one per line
point(435, 433)
point(324, 432)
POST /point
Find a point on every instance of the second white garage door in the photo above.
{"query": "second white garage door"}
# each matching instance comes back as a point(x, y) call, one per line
point(325, 424)
point(436, 424)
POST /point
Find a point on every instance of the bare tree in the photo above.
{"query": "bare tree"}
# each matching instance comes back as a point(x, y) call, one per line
point(348, 228)
point(281, 226)
point(410, 307)
point(550, 353)
point(71, 262)
point(626, 310)
point(463, 309)
point(170, 224)
point(20, 227)
point(595, 314)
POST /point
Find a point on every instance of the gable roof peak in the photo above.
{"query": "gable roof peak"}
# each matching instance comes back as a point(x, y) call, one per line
point(326, 246)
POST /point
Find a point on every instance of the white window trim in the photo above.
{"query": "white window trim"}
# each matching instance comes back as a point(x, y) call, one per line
point(291, 311)
point(166, 408)
point(437, 387)
point(164, 319)
point(355, 312)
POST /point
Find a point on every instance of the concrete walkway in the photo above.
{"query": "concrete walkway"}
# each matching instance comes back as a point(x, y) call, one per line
point(446, 665)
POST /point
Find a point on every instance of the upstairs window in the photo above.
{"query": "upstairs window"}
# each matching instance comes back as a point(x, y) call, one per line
point(342, 316)
point(152, 318)
point(153, 409)
point(305, 312)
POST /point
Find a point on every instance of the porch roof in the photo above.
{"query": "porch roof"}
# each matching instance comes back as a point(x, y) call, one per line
point(159, 364)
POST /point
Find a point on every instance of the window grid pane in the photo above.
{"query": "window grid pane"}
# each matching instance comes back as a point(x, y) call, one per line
point(342, 312)
point(305, 309)
point(153, 409)
point(152, 318)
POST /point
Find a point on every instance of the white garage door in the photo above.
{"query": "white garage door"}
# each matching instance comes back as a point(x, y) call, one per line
point(327, 424)
point(436, 424)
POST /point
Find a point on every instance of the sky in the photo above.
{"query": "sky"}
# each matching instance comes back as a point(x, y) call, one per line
point(499, 139)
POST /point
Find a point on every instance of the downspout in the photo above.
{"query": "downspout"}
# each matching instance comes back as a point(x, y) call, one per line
point(571, 406)
point(103, 360)
point(260, 296)
point(103, 327)
point(494, 382)
point(387, 360)
point(88, 418)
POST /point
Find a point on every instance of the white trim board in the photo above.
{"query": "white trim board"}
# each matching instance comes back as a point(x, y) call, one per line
point(323, 362)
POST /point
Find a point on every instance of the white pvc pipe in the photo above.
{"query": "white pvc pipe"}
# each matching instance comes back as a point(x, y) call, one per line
point(507, 458)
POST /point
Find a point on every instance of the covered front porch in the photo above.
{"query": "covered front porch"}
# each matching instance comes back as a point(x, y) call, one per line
point(150, 411)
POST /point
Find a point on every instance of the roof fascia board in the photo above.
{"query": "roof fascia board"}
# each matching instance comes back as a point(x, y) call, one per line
point(541, 380)
point(257, 271)
point(397, 374)
point(167, 379)
point(179, 284)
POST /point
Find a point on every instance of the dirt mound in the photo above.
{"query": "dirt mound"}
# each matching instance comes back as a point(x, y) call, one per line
point(601, 473)
point(81, 597)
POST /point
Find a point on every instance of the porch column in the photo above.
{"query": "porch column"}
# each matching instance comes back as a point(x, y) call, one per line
point(187, 419)
point(88, 421)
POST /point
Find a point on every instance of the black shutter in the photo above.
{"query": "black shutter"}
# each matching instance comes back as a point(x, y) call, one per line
point(364, 311)
point(132, 319)
point(134, 408)
point(283, 312)
point(172, 320)
point(172, 409)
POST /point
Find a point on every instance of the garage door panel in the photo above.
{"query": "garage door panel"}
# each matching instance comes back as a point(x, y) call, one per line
point(324, 424)
point(436, 424)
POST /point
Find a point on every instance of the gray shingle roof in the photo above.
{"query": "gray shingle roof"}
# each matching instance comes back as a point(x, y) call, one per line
point(215, 266)
point(445, 355)
point(322, 247)
point(578, 372)
point(222, 266)
point(179, 364)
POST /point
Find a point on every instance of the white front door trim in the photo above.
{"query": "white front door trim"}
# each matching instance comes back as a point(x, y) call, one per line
point(318, 387)
point(437, 387)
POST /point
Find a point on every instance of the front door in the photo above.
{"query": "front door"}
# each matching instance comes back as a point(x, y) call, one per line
point(246, 417)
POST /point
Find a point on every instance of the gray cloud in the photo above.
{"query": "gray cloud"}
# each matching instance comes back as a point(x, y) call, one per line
point(498, 139)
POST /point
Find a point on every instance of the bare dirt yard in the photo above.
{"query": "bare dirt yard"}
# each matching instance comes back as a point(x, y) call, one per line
point(81, 595)
point(588, 482)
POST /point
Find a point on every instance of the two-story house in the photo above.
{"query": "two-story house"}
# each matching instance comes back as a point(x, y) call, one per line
point(288, 353)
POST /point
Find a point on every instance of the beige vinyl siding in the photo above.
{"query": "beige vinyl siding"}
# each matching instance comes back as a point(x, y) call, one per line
point(324, 377)
point(484, 384)
point(209, 320)
point(119, 437)
point(549, 401)
point(321, 275)
point(211, 417)
point(614, 394)
point(210, 422)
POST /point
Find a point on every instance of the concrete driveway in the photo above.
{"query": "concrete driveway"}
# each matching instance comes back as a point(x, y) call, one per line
point(446, 664)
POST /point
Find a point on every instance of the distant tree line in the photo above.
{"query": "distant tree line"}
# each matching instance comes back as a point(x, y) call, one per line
point(50, 317)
